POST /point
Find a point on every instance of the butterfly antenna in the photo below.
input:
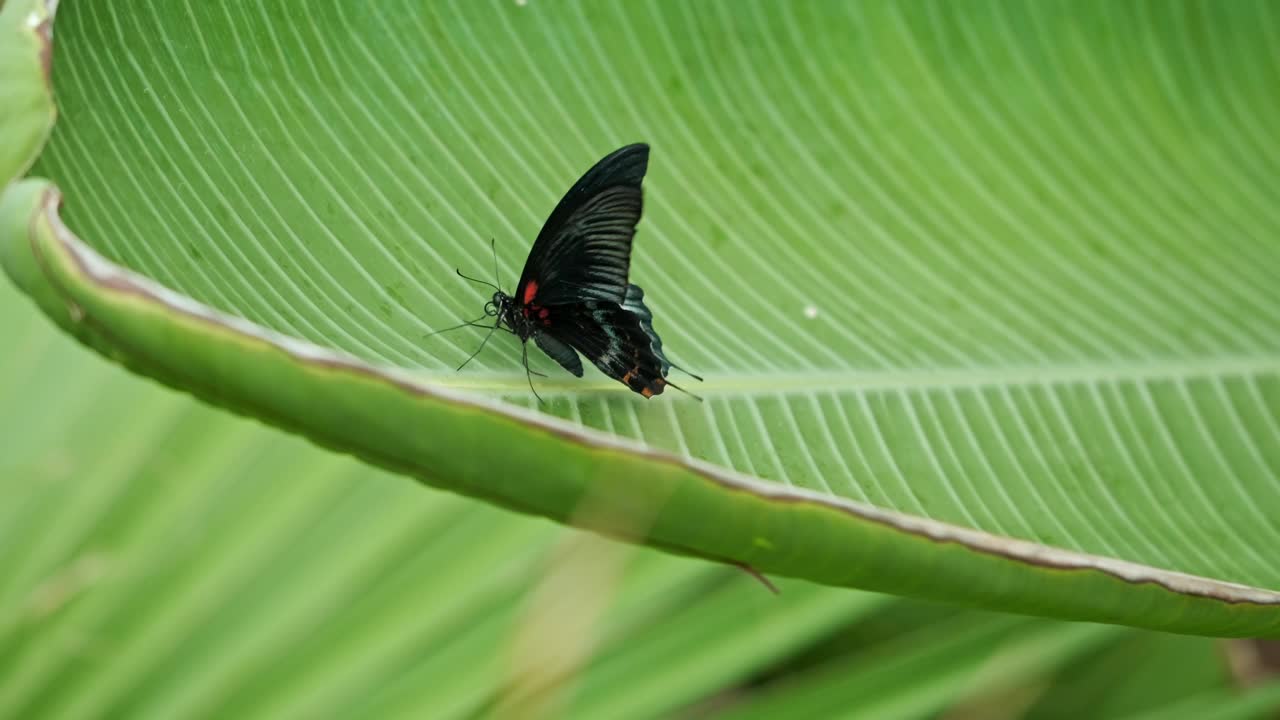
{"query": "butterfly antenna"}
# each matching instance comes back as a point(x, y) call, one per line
point(482, 344)
point(469, 323)
point(493, 245)
point(524, 359)
point(474, 280)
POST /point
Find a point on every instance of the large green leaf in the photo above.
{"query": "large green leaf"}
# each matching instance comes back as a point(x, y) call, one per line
point(171, 561)
point(985, 296)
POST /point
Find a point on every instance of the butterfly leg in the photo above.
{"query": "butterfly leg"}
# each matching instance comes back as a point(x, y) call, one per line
point(482, 344)
point(524, 359)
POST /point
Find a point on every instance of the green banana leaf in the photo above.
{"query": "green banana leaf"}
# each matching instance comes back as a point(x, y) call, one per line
point(173, 561)
point(984, 295)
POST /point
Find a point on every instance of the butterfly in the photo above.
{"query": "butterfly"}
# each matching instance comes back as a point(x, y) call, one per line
point(574, 296)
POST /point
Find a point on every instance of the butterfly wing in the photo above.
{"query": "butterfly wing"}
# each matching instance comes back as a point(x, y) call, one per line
point(584, 249)
point(618, 339)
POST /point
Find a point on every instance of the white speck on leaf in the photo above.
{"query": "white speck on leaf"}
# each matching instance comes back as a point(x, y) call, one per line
point(810, 311)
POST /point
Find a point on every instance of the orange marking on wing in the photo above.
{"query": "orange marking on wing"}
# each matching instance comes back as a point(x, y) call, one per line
point(626, 379)
point(529, 291)
point(650, 392)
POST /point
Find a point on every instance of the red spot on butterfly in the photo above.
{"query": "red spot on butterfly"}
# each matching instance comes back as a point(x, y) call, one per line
point(529, 291)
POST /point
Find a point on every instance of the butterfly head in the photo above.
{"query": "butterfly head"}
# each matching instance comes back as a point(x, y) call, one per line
point(500, 306)
point(494, 307)
point(503, 307)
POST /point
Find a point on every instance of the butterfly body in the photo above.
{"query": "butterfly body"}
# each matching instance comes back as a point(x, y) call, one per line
point(574, 296)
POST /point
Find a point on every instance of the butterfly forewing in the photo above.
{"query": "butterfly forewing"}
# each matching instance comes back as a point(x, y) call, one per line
point(584, 249)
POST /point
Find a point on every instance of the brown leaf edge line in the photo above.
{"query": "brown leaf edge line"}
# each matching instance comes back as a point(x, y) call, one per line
point(44, 30)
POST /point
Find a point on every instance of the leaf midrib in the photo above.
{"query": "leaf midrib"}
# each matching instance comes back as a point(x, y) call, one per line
point(856, 381)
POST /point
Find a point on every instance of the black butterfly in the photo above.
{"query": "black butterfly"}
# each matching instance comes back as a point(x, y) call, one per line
point(574, 296)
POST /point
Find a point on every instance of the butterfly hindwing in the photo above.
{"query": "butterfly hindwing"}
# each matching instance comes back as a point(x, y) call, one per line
point(584, 249)
point(617, 339)
point(633, 302)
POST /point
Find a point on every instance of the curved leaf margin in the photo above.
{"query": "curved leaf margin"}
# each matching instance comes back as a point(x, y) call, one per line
point(548, 467)
point(27, 110)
